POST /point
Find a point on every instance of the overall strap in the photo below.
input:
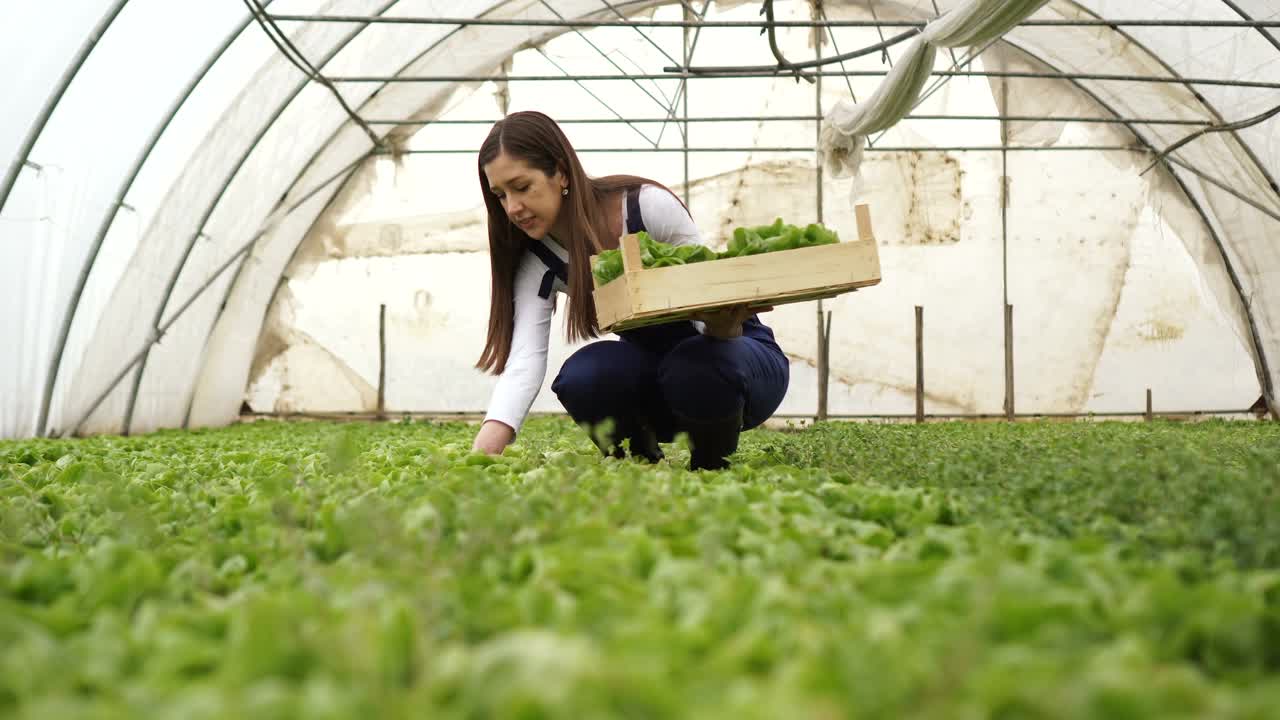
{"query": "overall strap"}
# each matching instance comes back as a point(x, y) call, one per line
point(555, 268)
point(635, 221)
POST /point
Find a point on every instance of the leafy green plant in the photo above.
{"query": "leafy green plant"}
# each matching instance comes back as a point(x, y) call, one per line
point(776, 237)
point(746, 241)
point(349, 570)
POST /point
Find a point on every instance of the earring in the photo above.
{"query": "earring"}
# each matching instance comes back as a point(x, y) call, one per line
point(564, 191)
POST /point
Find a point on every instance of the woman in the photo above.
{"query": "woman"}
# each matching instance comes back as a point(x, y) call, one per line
point(711, 379)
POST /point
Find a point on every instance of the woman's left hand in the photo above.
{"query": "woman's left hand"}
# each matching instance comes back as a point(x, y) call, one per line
point(726, 323)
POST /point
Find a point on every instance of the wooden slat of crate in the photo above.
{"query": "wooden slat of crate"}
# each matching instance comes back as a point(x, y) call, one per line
point(642, 297)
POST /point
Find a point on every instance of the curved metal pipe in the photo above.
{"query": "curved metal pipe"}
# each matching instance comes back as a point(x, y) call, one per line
point(1248, 149)
point(55, 365)
point(51, 103)
point(1234, 278)
point(1264, 369)
point(1177, 179)
point(191, 299)
point(213, 204)
point(311, 161)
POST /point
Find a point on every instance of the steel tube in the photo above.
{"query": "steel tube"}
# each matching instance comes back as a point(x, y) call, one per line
point(20, 158)
point(711, 74)
point(511, 22)
point(993, 148)
point(817, 118)
point(64, 332)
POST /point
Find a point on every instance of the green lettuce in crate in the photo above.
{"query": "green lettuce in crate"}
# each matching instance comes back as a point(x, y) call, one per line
point(608, 264)
point(775, 237)
point(745, 241)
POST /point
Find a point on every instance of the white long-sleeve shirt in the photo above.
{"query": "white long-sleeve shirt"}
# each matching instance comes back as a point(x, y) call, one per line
point(665, 219)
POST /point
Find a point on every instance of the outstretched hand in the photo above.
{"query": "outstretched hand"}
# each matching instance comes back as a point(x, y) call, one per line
point(493, 437)
point(726, 323)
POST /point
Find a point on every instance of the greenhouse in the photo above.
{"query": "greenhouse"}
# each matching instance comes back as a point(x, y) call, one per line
point(249, 274)
point(194, 224)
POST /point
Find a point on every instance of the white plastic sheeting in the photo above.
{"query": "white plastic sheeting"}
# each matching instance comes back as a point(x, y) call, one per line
point(1107, 303)
point(254, 139)
point(974, 23)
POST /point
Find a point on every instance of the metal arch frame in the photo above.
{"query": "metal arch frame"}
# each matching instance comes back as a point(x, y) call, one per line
point(1121, 119)
point(172, 283)
point(700, 73)
point(816, 118)
point(1235, 134)
point(139, 373)
point(248, 253)
point(51, 103)
point(1129, 123)
point(806, 149)
point(1247, 148)
point(213, 205)
point(547, 37)
point(1267, 387)
point(310, 163)
point(55, 365)
point(751, 24)
point(191, 299)
point(1249, 18)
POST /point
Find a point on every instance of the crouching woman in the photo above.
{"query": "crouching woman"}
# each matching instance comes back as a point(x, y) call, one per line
point(711, 378)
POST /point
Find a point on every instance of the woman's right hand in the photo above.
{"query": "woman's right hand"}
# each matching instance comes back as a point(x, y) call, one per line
point(726, 323)
point(493, 437)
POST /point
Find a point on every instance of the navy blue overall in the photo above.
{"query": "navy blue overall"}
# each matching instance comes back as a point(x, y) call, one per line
point(669, 376)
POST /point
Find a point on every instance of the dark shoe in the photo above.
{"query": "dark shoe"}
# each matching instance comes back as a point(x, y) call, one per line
point(712, 442)
point(644, 444)
point(642, 440)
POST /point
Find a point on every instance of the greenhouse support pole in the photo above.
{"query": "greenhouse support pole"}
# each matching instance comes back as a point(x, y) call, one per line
point(690, 47)
point(382, 361)
point(822, 362)
point(684, 102)
point(803, 149)
point(824, 328)
point(813, 118)
point(1260, 25)
point(919, 364)
point(770, 71)
point(1004, 253)
point(1008, 362)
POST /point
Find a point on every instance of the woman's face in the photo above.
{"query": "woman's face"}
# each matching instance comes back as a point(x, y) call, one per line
point(530, 197)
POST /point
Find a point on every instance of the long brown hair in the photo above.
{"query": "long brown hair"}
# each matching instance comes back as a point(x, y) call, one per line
point(538, 140)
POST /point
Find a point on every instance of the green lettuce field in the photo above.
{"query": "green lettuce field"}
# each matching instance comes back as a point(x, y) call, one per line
point(959, 570)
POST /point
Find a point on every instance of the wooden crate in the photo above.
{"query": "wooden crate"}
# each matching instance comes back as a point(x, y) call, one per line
point(647, 296)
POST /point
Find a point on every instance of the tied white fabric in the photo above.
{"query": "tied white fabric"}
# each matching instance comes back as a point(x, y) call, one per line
point(847, 125)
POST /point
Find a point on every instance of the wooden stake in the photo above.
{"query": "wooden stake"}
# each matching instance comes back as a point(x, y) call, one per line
point(919, 364)
point(1149, 414)
point(1008, 362)
point(822, 368)
point(382, 362)
point(826, 356)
